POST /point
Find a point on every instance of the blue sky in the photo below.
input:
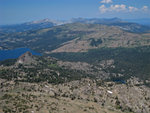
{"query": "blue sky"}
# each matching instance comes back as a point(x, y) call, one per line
point(18, 11)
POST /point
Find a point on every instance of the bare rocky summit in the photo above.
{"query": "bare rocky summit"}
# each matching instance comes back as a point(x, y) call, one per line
point(26, 58)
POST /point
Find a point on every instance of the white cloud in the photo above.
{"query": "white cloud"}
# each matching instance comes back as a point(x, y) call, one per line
point(103, 9)
point(145, 8)
point(132, 9)
point(121, 8)
point(106, 1)
point(117, 8)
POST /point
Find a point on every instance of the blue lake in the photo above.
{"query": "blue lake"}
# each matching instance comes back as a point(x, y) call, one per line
point(15, 53)
point(120, 81)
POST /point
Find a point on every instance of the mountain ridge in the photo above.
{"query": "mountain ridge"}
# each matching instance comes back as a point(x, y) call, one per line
point(82, 36)
point(47, 23)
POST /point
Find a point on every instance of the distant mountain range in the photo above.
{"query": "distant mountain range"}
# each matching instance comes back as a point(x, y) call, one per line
point(34, 25)
point(128, 25)
point(96, 20)
point(144, 21)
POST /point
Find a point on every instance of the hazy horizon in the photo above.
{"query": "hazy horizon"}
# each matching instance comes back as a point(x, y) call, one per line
point(20, 11)
point(144, 22)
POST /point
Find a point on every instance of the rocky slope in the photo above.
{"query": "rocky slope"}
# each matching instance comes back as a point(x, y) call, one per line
point(44, 84)
point(85, 96)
